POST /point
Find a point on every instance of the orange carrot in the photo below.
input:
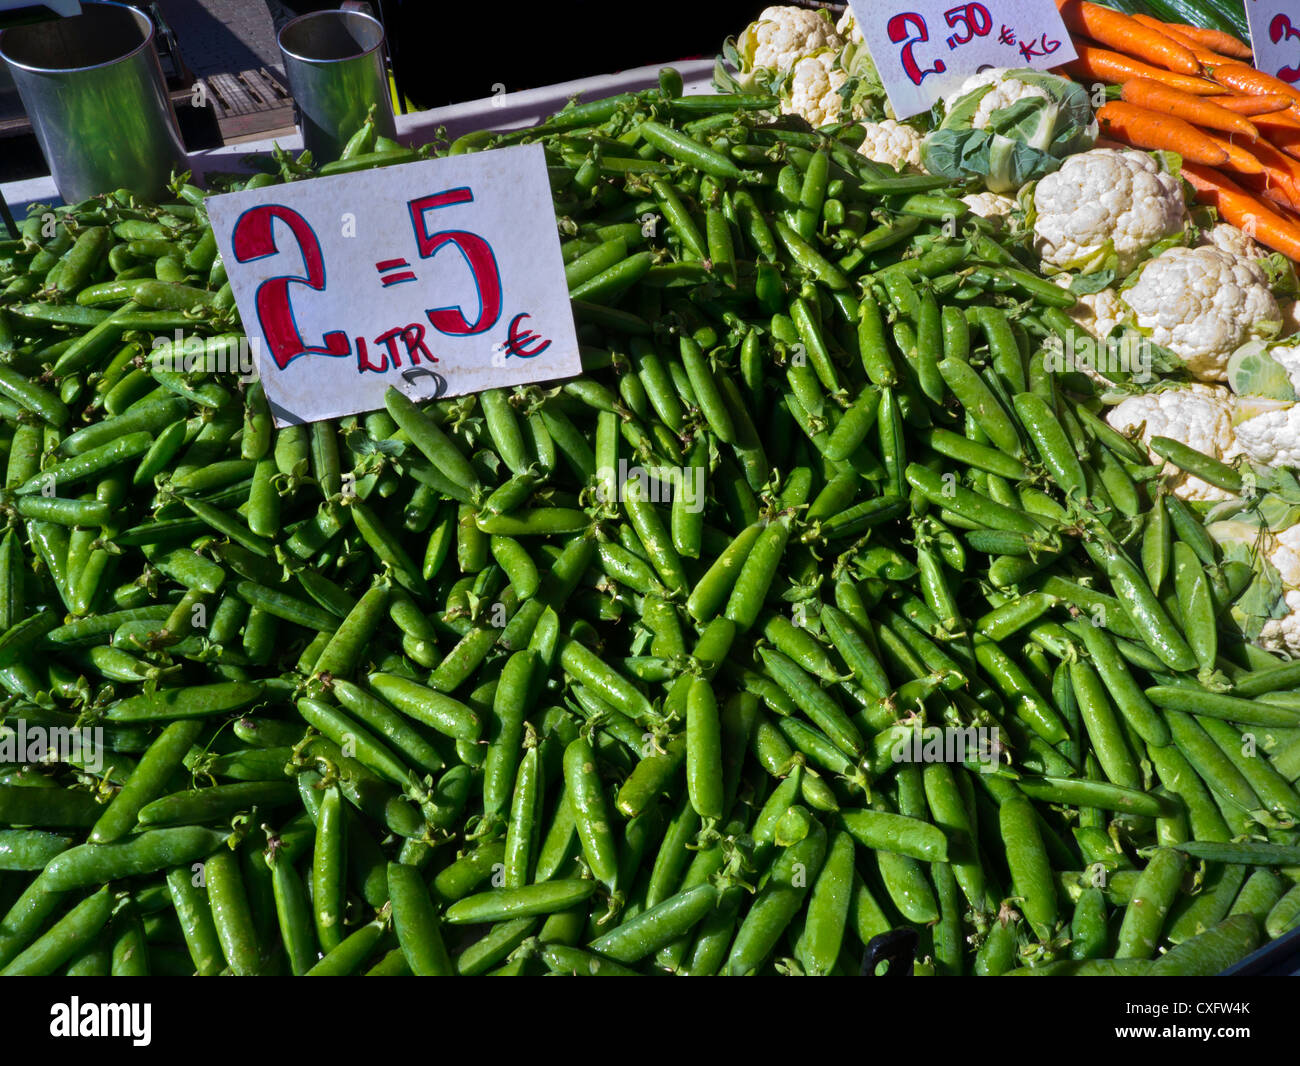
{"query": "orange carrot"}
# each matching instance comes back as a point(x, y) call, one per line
point(1155, 96)
point(1281, 193)
point(1278, 120)
point(1285, 137)
point(1149, 129)
point(1243, 210)
point(1101, 64)
point(1254, 105)
point(1277, 161)
point(1216, 40)
point(1239, 159)
point(1243, 79)
point(1203, 55)
point(1290, 148)
point(1118, 30)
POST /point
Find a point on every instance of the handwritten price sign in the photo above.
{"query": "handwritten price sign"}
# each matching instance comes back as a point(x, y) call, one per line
point(925, 49)
point(440, 277)
point(1275, 37)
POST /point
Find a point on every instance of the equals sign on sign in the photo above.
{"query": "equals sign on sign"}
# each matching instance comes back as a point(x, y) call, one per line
point(394, 272)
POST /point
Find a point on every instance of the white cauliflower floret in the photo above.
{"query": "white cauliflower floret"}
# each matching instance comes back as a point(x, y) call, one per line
point(1005, 92)
point(848, 27)
point(1199, 416)
point(990, 205)
point(813, 91)
point(1273, 437)
point(1269, 430)
point(1101, 201)
point(1285, 555)
point(1202, 304)
point(892, 143)
point(1097, 312)
point(781, 36)
point(1283, 634)
point(1228, 238)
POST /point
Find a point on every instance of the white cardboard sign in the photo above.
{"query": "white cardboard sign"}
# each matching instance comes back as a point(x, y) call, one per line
point(1275, 37)
point(925, 49)
point(440, 277)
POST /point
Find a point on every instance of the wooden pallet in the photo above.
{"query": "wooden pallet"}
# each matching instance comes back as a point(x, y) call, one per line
point(249, 103)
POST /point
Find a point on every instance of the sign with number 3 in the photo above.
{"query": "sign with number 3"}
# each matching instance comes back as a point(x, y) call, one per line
point(924, 49)
point(440, 277)
point(1275, 37)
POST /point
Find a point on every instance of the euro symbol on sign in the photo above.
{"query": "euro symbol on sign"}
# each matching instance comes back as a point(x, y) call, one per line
point(517, 341)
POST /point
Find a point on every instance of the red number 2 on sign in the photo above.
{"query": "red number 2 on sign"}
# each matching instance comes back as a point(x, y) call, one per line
point(898, 28)
point(254, 238)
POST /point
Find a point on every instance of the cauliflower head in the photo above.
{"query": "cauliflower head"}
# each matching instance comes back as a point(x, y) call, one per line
point(1008, 127)
point(813, 90)
point(1005, 92)
point(1198, 415)
point(1228, 238)
point(1202, 304)
point(990, 205)
point(1268, 430)
point(1105, 202)
point(892, 143)
point(781, 36)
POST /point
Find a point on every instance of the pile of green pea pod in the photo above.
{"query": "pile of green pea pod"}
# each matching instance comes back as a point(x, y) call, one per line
point(432, 690)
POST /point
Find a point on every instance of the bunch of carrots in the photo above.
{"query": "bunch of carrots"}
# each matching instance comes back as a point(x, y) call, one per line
point(1193, 91)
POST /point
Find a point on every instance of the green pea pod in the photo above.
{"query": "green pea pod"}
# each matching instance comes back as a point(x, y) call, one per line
point(1051, 441)
point(883, 831)
point(1196, 605)
point(148, 852)
point(65, 938)
point(706, 391)
point(587, 799)
point(1142, 607)
point(655, 928)
point(792, 876)
point(959, 500)
point(147, 782)
point(757, 572)
point(704, 751)
point(1211, 952)
point(1030, 872)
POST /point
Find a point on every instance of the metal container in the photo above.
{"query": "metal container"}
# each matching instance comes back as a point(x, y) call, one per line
point(95, 94)
point(335, 64)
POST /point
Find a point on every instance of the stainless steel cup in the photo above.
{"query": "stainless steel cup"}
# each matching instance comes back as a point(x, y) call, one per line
point(95, 94)
point(335, 64)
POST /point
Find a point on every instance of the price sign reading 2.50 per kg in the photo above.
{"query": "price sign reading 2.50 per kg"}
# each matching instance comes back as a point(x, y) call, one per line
point(1275, 37)
point(924, 49)
point(441, 277)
